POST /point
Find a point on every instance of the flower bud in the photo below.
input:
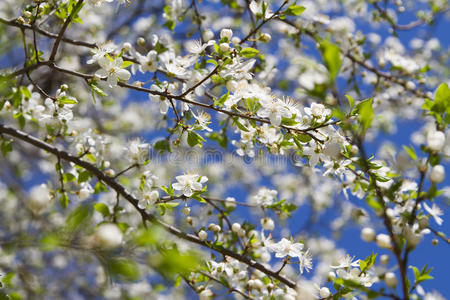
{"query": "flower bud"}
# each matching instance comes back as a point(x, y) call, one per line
point(186, 210)
point(241, 233)
point(110, 172)
point(384, 259)
point(435, 140)
point(189, 220)
point(267, 223)
point(108, 236)
point(202, 235)
point(324, 292)
point(236, 227)
point(410, 85)
point(235, 40)
point(206, 294)
point(226, 33)
point(390, 279)
point(383, 240)
point(208, 35)
point(127, 46)
point(423, 222)
point(84, 193)
point(216, 228)
point(95, 77)
point(224, 47)
point(265, 37)
point(230, 202)
point(368, 234)
point(27, 14)
point(265, 256)
point(437, 174)
point(141, 41)
point(331, 276)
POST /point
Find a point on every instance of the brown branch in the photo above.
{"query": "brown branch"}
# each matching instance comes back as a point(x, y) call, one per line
point(146, 217)
point(63, 29)
point(252, 32)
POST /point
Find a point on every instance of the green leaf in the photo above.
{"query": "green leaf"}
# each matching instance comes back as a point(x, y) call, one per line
point(411, 152)
point(220, 102)
point(84, 176)
point(6, 147)
point(368, 263)
point(96, 90)
point(78, 217)
point(64, 200)
point(442, 98)
point(169, 190)
point(50, 242)
point(126, 63)
point(332, 58)
point(240, 125)
point(211, 61)
point(25, 92)
point(304, 138)
point(249, 52)
point(125, 269)
point(67, 100)
point(100, 187)
point(289, 122)
point(194, 139)
point(351, 101)
point(102, 208)
point(162, 146)
point(295, 10)
point(365, 113)
point(67, 177)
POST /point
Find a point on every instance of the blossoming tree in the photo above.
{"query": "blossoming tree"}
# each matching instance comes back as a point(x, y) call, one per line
point(169, 149)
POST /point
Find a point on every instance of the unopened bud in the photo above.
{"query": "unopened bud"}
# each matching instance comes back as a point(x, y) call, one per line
point(141, 41)
point(127, 47)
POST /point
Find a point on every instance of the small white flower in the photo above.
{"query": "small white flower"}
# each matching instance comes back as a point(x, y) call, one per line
point(264, 197)
point(435, 212)
point(163, 101)
point(345, 262)
point(148, 198)
point(318, 111)
point(305, 262)
point(148, 62)
point(196, 47)
point(203, 120)
point(101, 52)
point(273, 109)
point(137, 151)
point(286, 247)
point(188, 183)
point(257, 9)
point(112, 69)
point(267, 224)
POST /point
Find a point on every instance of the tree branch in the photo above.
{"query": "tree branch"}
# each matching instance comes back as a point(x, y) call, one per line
point(146, 217)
